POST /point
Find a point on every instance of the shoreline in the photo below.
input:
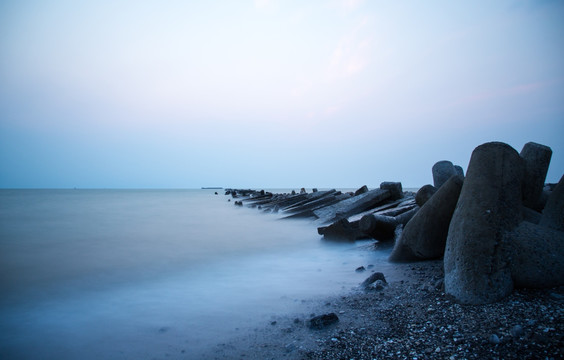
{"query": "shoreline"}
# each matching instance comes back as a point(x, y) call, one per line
point(410, 318)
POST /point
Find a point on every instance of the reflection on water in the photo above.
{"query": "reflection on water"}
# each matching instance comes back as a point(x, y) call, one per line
point(142, 274)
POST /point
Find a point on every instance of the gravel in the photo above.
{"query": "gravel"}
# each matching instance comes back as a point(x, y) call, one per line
point(412, 319)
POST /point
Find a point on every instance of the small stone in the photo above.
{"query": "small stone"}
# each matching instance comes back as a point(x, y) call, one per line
point(322, 321)
point(494, 339)
point(516, 331)
point(273, 323)
point(360, 269)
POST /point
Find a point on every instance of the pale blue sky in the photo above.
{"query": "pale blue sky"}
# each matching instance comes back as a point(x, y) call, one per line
point(267, 93)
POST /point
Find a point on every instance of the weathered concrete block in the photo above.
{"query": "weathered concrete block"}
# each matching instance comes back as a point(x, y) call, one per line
point(476, 260)
point(425, 235)
point(536, 161)
point(537, 259)
point(379, 227)
point(459, 171)
point(395, 189)
point(424, 194)
point(442, 171)
point(553, 213)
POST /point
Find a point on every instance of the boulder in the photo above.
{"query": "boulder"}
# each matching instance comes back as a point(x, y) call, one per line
point(442, 171)
point(553, 213)
point(536, 158)
point(425, 235)
point(476, 260)
point(424, 194)
point(537, 256)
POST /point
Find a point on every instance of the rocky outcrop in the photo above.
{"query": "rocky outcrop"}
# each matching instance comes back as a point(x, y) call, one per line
point(424, 194)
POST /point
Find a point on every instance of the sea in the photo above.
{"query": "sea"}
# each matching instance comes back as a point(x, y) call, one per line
point(155, 274)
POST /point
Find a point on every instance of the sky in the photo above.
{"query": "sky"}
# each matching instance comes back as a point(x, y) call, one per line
point(271, 93)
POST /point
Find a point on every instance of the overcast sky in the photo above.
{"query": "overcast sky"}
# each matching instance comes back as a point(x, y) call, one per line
point(271, 93)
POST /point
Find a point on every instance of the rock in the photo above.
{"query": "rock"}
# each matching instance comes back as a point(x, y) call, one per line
point(536, 159)
point(377, 285)
point(362, 190)
point(360, 269)
point(517, 331)
point(494, 339)
point(342, 230)
point(442, 171)
point(395, 189)
point(476, 260)
point(322, 321)
point(424, 194)
point(314, 190)
point(379, 227)
point(425, 235)
point(537, 259)
point(303, 191)
point(373, 278)
point(403, 218)
point(553, 213)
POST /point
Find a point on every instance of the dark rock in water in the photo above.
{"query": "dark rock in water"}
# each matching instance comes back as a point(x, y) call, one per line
point(424, 194)
point(442, 171)
point(553, 213)
point(362, 190)
point(425, 235)
point(314, 190)
point(322, 321)
point(360, 269)
point(238, 203)
point(476, 260)
point(395, 189)
point(342, 230)
point(372, 279)
point(379, 227)
point(303, 191)
point(536, 158)
point(537, 259)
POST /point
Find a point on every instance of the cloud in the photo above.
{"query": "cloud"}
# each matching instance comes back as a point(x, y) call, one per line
point(350, 5)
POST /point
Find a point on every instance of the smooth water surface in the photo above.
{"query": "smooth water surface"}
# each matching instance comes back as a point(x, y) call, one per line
point(142, 274)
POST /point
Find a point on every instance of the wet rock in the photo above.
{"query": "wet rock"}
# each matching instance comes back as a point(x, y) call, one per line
point(379, 227)
point(360, 269)
point(322, 321)
point(494, 339)
point(373, 278)
point(476, 260)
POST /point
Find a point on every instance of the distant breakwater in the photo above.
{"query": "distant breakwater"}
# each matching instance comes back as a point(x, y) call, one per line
point(497, 228)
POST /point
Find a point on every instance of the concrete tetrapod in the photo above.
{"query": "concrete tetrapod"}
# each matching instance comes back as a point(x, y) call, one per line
point(477, 256)
point(425, 235)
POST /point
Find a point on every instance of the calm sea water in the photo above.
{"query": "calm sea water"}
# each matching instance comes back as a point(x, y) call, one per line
point(143, 274)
